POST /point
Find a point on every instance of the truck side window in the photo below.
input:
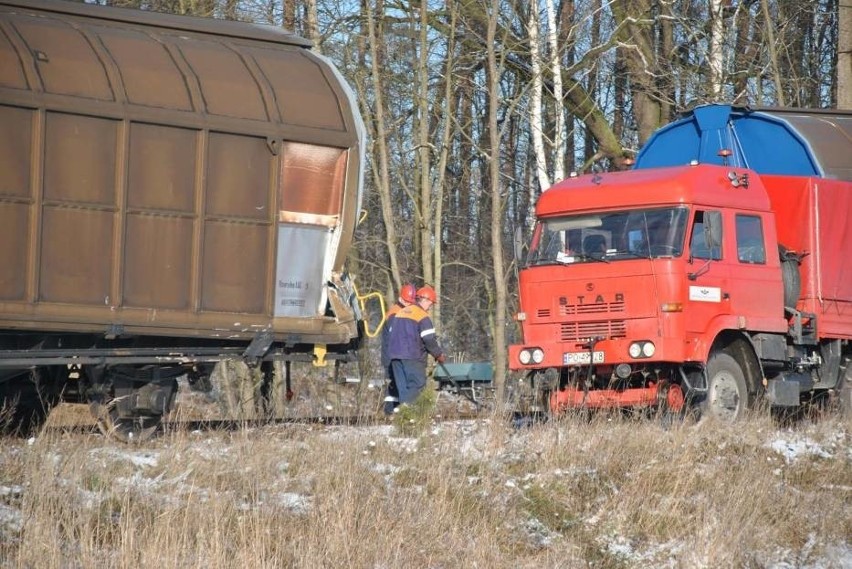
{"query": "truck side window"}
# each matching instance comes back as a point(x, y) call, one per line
point(750, 247)
point(698, 244)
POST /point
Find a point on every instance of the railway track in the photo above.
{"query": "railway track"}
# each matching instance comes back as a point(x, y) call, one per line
point(85, 425)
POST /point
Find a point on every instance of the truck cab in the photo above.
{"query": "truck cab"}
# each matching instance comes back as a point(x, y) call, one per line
point(669, 284)
point(632, 273)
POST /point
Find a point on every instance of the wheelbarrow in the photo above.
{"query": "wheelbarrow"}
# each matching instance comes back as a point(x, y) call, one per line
point(472, 380)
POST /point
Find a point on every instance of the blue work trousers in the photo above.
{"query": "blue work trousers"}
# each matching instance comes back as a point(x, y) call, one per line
point(392, 395)
point(410, 378)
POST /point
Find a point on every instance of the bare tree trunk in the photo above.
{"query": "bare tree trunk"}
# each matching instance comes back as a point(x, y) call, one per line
point(382, 173)
point(424, 148)
point(559, 110)
point(640, 62)
point(446, 137)
point(716, 57)
point(312, 27)
point(500, 292)
point(844, 55)
point(230, 10)
point(773, 54)
point(289, 16)
point(535, 101)
point(745, 54)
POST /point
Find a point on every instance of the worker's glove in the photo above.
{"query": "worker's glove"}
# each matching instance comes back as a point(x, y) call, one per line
point(441, 359)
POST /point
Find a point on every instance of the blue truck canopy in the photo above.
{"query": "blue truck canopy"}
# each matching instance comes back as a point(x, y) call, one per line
point(781, 141)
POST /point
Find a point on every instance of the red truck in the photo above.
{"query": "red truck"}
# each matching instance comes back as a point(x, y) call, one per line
point(717, 271)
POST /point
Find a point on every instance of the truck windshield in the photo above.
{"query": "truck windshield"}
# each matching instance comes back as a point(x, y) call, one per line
point(609, 236)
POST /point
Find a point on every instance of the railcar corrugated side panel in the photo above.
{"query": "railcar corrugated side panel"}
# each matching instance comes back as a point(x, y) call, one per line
point(171, 176)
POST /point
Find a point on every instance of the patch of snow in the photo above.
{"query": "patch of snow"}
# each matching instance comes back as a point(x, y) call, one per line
point(11, 519)
point(386, 469)
point(141, 459)
point(792, 450)
point(620, 547)
point(14, 490)
point(407, 445)
point(295, 503)
point(538, 533)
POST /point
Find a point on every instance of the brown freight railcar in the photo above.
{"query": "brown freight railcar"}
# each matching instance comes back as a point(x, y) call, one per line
point(173, 190)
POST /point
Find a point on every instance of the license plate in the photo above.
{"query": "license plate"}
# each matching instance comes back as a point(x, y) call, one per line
point(581, 358)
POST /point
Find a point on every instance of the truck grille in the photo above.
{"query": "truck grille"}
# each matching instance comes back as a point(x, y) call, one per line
point(600, 308)
point(578, 309)
point(575, 331)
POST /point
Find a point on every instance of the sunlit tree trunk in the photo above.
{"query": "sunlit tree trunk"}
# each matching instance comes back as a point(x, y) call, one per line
point(535, 100)
point(288, 20)
point(424, 149)
point(312, 25)
point(715, 55)
point(559, 111)
point(500, 289)
point(844, 55)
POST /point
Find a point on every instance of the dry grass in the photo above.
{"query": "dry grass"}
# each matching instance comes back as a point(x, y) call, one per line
point(609, 492)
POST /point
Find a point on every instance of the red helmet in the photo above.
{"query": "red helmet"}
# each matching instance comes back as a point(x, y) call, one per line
point(408, 293)
point(427, 292)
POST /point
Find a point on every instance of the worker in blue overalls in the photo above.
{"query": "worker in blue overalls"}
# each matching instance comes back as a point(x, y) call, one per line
point(407, 296)
point(411, 338)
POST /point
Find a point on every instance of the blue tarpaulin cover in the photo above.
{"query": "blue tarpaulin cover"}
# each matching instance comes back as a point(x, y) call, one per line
point(788, 142)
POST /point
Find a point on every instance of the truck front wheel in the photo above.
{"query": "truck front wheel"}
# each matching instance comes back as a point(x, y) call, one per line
point(727, 394)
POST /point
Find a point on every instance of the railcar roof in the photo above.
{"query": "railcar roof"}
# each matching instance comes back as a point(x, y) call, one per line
point(243, 30)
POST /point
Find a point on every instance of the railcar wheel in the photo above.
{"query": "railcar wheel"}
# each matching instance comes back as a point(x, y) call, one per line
point(727, 393)
point(129, 402)
point(125, 429)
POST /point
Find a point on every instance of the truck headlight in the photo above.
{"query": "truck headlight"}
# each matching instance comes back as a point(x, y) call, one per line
point(531, 355)
point(635, 350)
point(642, 349)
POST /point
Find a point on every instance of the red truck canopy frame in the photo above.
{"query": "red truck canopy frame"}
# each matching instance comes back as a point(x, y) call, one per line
point(812, 217)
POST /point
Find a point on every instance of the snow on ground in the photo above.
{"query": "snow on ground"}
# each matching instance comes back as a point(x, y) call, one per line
point(794, 446)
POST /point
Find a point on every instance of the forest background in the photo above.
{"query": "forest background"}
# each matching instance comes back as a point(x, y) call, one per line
point(474, 107)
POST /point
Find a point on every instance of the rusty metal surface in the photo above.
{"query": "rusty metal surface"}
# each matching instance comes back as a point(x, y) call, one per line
point(146, 162)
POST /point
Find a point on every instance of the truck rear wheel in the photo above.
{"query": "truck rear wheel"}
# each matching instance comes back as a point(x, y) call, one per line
point(727, 393)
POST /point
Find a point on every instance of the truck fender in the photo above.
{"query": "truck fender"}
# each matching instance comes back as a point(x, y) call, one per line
point(720, 327)
point(741, 347)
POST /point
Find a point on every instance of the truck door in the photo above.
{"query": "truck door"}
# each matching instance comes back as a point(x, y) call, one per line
point(756, 291)
point(707, 279)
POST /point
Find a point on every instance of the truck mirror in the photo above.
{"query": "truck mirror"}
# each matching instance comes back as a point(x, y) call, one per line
point(713, 229)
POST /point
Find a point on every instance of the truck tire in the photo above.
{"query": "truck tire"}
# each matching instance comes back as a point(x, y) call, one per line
point(790, 277)
point(727, 392)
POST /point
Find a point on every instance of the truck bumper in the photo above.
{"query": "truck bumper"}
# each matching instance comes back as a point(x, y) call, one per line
point(655, 394)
